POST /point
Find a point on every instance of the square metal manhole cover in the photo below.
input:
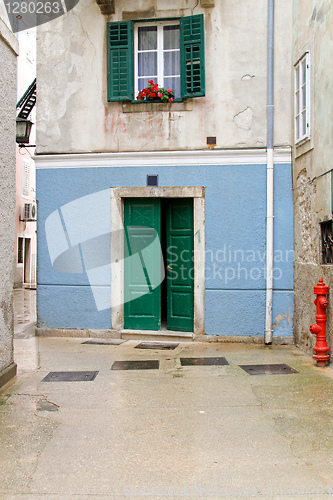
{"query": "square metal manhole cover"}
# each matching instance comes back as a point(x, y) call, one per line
point(275, 369)
point(156, 345)
point(105, 342)
point(70, 377)
point(136, 365)
point(203, 361)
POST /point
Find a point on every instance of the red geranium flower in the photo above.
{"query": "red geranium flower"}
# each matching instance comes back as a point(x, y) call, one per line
point(171, 99)
point(152, 94)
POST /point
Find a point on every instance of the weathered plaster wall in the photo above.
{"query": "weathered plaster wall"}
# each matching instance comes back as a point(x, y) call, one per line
point(73, 112)
point(8, 48)
point(313, 30)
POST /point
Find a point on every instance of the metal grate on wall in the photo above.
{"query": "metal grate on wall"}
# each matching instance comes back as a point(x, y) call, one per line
point(327, 241)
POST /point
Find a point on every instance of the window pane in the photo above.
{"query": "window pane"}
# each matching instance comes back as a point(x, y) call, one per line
point(171, 63)
point(171, 37)
point(147, 38)
point(297, 103)
point(147, 63)
point(174, 84)
point(297, 78)
point(304, 71)
point(143, 82)
point(297, 127)
point(304, 123)
point(304, 97)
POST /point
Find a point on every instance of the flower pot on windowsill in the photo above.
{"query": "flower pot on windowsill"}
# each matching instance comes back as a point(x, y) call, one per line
point(154, 93)
point(153, 101)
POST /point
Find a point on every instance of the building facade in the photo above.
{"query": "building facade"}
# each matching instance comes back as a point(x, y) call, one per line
point(8, 54)
point(25, 207)
point(123, 184)
point(312, 162)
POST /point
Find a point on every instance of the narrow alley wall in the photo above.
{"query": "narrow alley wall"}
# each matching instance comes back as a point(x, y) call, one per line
point(8, 53)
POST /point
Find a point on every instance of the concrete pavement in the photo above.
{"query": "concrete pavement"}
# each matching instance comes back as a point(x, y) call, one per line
point(176, 431)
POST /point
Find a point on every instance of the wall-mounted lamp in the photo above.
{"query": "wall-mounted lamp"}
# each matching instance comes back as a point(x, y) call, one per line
point(23, 129)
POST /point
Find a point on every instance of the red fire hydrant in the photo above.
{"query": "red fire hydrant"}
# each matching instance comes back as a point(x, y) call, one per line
point(321, 348)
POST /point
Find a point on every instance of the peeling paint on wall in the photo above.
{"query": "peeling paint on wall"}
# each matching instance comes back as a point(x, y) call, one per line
point(305, 242)
point(280, 317)
point(243, 119)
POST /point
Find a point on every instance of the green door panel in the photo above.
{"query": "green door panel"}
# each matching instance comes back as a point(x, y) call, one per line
point(180, 269)
point(142, 264)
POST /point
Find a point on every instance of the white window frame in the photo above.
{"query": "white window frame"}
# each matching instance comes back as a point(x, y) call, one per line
point(26, 179)
point(298, 99)
point(160, 60)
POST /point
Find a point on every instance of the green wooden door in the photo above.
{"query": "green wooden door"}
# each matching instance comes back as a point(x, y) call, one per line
point(142, 294)
point(180, 271)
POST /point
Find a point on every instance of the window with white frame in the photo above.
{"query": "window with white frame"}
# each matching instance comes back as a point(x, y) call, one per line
point(302, 99)
point(157, 55)
point(26, 178)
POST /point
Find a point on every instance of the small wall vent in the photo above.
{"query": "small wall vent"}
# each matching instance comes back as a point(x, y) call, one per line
point(152, 180)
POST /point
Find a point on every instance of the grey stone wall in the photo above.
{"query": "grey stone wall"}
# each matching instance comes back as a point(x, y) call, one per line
point(8, 53)
point(313, 164)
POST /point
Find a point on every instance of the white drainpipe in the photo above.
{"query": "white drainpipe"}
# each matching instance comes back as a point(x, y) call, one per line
point(270, 172)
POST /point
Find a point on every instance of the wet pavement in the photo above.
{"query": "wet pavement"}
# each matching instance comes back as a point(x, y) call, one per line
point(25, 342)
point(24, 312)
point(214, 426)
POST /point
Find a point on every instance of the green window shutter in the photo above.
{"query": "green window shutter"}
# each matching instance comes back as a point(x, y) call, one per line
point(120, 61)
point(192, 44)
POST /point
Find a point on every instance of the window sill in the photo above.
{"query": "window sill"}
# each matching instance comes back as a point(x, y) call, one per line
point(151, 107)
point(303, 147)
point(302, 141)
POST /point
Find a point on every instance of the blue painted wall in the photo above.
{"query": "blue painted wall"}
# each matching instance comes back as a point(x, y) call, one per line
point(235, 226)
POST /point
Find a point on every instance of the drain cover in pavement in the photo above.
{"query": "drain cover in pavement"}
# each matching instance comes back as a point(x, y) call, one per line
point(203, 361)
point(276, 369)
point(156, 345)
point(105, 342)
point(136, 365)
point(70, 377)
